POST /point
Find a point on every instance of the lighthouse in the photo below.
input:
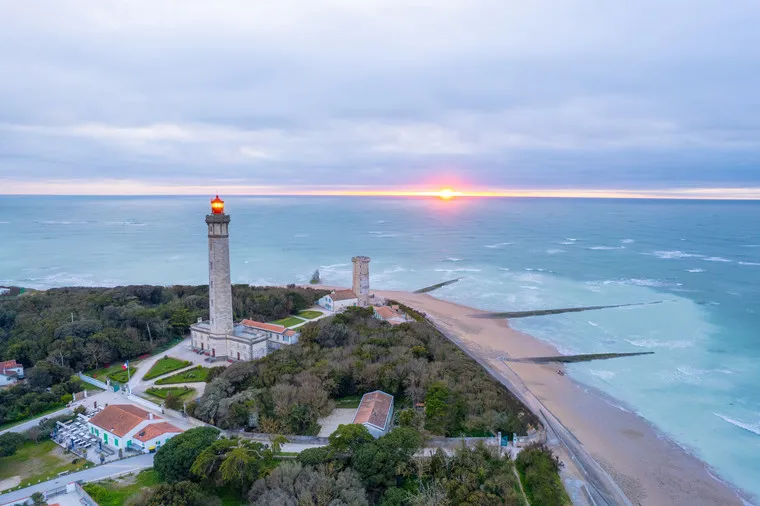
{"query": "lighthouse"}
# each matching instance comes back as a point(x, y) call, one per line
point(360, 283)
point(219, 285)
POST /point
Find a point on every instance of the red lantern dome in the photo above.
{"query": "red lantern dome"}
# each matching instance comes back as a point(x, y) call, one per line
point(217, 206)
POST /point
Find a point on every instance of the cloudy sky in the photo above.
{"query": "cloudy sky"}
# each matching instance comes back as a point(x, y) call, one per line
point(266, 96)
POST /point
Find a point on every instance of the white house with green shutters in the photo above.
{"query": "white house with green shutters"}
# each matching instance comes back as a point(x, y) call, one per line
point(124, 426)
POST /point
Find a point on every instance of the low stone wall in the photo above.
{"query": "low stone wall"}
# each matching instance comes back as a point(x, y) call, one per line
point(94, 382)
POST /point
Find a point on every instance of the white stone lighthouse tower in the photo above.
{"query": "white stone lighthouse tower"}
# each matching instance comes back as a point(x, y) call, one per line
point(361, 279)
point(219, 285)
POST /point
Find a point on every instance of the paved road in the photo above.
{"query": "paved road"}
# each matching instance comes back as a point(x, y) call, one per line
point(95, 473)
point(23, 427)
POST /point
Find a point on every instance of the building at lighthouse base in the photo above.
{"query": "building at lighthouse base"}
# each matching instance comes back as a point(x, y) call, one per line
point(248, 340)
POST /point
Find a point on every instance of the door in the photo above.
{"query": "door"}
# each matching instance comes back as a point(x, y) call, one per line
point(105, 438)
point(213, 352)
point(238, 355)
point(201, 346)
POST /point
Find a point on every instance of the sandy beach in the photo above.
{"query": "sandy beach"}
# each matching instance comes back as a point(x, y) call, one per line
point(649, 468)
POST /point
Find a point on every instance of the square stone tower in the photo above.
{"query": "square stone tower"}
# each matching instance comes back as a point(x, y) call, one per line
point(219, 285)
point(361, 279)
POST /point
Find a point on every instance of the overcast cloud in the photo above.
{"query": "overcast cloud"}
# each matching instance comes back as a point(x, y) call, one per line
point(632, 94)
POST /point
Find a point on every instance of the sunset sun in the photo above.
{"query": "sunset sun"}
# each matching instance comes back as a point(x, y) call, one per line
point(447, 193)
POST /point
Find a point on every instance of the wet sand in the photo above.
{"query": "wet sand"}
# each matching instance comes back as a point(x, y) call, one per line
point(647, 466)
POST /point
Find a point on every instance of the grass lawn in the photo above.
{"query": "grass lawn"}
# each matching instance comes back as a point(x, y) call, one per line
point(290, 321)
point(39, 462)
point(114, 372)
point(194, 375)
point(116, 493)
point(165, 365)
point(184, 393)
point(350, 401)
point(310, 315)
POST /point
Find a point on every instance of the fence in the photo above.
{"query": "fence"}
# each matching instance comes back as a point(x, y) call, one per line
point(94, 382)
point(143, 402)
point(264, 436)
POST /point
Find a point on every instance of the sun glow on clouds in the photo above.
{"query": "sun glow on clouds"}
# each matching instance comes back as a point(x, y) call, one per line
point(132, 187)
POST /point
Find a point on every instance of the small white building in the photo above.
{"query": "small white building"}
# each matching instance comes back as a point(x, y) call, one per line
point(127, 426)
point(375, 412)
point(390, 314)
point(10, 372)
point(339, 300)
point(4, 290)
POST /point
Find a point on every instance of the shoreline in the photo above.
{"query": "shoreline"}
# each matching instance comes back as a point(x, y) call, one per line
point(646, 464)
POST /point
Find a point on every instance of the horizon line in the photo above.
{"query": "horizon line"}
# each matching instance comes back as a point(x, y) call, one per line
point(126, 187)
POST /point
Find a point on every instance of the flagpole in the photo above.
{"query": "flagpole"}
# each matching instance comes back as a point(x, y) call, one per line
point(129, 377)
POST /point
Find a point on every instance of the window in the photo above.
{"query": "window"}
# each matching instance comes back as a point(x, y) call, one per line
point(129, 444)
point(116, 442)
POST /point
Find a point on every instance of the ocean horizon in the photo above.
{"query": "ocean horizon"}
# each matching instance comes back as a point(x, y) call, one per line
point(700, 258)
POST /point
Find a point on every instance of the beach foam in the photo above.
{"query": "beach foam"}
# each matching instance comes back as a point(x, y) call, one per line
point(602, 374)
point(751, 427)
point(656, 343)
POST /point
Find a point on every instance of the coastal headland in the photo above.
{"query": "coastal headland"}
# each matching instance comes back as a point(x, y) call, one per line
point(648, 467)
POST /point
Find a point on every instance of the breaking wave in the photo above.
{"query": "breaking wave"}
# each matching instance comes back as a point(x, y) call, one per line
point(695, 270)
point(462, 269)
point(749, 263)
point(606, 247)
point(602, 374)
point(655, 343)
point(717, 259)
point(452, 259)
point(668, 255)
point(498, 245)
point(627, 241)
point(751, 427)
point(554, 251)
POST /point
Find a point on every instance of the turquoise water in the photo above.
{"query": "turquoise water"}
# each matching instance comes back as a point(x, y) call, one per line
point(701, 386)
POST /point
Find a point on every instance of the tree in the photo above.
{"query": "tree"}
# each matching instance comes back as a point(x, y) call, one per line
point(346, 439)
point(277, 441)
point(173, 460)
point(172, 401)
point(184, 493)
point(38, 499)
point(10, 443)
point(381, 461)
point(292, 484)
point(180, 320)
point(436, 408)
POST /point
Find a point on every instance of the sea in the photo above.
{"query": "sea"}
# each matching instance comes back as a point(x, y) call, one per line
point(701, 258)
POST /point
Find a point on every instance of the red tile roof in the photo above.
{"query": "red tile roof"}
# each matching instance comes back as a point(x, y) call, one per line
point(9, 364)
point(374, 409)
point(290, 333)
point(343, 295)
point(156, 429)
point(271, 327)
point(118, 419)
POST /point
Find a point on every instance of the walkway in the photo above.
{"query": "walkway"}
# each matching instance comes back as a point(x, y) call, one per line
point(92, 474)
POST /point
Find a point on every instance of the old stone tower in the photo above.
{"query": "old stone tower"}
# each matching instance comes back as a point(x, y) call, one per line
point(361, 280)
point(219, 285)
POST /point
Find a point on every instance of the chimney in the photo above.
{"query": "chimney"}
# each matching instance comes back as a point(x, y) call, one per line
point(150, 416)
point(200, 319)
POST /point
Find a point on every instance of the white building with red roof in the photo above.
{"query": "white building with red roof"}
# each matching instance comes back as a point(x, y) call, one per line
point(127, 426)
point(375, 412)
point(338, 300)
point(10, 372)
point(390, 314)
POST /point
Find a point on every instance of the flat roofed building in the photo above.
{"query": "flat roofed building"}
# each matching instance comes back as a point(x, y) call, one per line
point(375, 412)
